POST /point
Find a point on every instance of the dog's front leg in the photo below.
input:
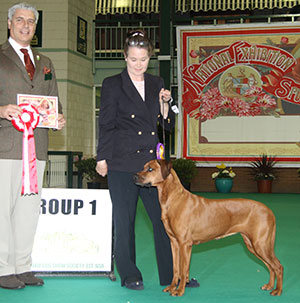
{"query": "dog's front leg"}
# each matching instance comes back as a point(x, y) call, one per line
point(185, 254)
point(175, 255)
point(188, 267)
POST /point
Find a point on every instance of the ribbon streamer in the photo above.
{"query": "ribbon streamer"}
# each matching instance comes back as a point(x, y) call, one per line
point(26, 123)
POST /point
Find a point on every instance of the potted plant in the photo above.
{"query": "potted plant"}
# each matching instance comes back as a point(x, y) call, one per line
point(298, 172)
point(223, 178)
point(87, 167)
point(186, 170)
point(263, 171)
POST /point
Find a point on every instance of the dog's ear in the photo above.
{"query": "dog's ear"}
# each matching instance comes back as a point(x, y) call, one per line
point(165, 167)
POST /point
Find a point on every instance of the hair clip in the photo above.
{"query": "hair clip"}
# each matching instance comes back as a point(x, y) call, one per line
point(137, 34)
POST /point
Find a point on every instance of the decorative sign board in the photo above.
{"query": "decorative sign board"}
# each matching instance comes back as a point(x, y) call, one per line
point(239, 91)
point(74, 233)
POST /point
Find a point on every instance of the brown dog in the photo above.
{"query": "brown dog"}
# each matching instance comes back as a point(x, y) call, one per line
point(190, 219)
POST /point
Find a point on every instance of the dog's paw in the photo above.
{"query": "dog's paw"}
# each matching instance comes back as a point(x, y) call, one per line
point(169, 289)
point(276, 292)
point(177, 292)
point(267, 287)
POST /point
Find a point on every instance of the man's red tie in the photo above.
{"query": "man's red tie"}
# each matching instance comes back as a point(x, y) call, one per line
point(28, 63)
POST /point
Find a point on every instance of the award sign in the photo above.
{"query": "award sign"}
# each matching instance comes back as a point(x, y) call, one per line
point(74, 233)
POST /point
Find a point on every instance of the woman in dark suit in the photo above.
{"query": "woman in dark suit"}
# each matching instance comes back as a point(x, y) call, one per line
point(132, 103)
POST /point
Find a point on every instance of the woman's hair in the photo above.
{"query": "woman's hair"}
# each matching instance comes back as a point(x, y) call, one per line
point(138, 38)
point(13, 9)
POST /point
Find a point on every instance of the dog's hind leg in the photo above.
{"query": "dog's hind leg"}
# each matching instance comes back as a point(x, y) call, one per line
point(250, 247)
point(264, 250)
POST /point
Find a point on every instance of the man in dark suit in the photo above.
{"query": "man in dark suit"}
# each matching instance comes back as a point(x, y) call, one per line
point(19, 214)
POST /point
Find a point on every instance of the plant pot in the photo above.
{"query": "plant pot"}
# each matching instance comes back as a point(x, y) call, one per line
point(93, 185)
point(264, 186)
point(223, 185)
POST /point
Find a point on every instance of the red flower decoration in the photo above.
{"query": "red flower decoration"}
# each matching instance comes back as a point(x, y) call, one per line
point(47, 70)
point(284, 40)
point(193, 54)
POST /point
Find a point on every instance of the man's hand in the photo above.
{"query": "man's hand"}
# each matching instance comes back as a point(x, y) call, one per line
point(10, 111)
point(61, 121)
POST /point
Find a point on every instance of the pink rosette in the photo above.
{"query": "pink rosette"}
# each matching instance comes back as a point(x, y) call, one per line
point(26, 123)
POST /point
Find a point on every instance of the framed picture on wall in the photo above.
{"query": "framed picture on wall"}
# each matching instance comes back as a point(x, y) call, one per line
point(81, 35)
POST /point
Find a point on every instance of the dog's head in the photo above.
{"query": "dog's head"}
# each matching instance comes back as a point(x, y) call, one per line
point(154, 172)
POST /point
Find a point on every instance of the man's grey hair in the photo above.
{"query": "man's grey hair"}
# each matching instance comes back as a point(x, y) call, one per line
point(27, 6)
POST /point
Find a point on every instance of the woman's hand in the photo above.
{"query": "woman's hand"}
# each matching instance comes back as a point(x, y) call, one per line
point(101, 168)
point(164, 98)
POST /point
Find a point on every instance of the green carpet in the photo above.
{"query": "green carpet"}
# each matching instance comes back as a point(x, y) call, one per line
point(227, 272)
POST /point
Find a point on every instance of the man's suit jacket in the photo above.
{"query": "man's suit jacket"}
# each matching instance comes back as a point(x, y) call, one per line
point(127, 124)
point(15, 80)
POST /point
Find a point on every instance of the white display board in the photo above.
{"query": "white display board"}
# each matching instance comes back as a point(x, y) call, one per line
point(74, 232)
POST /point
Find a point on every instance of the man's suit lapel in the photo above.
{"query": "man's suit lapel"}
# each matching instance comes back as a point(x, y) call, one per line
point(10, 53)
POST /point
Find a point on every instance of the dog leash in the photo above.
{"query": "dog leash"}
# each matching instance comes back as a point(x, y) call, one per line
point(163, 122)
point(160, 147)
